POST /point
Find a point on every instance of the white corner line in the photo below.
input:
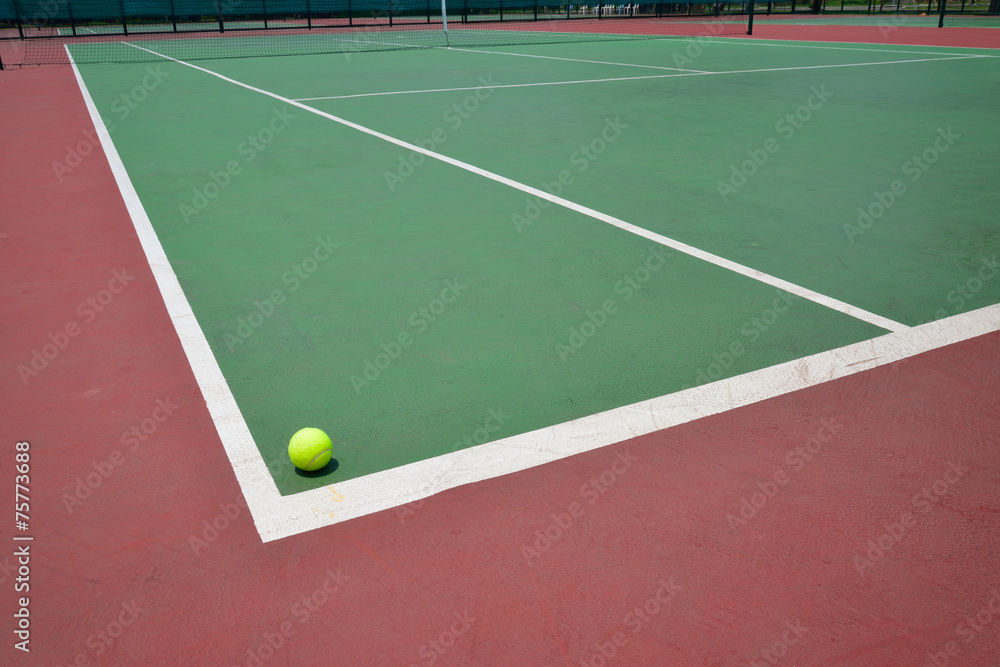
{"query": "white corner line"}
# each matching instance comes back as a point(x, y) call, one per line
point(392, 488)
point(760, 276)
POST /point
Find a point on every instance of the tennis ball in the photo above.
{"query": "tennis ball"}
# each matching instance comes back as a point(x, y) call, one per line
point(310, 449)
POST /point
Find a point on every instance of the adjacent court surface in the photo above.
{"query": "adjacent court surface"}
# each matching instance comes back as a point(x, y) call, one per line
point(495, 276)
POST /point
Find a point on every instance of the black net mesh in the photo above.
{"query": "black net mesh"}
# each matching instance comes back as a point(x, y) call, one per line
point(34, 32)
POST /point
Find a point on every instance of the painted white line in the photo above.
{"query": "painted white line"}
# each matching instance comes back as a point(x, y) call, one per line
point(575, 60)
point(252, 474)
point(398, 486)
point(507, 85)
point(754, 42)
point(621, 78)
point(279, 516)
point(397, 92)
point(760, 276)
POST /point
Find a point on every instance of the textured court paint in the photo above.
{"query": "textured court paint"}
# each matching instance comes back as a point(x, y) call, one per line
point(460, 551)
point(495, 348)
point(789, 218)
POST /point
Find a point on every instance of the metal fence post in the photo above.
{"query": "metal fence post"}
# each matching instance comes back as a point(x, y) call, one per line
point(121, 8)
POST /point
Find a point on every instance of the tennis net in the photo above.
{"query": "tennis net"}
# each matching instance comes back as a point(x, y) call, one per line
point(38, 32)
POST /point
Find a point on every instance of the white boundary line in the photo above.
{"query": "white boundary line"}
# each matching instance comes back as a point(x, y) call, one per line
point(398, 486)
point(575, 60)
point(563, 83)
point(263, 498)
point(792, 45)
point(735, 267)
point(279, 516)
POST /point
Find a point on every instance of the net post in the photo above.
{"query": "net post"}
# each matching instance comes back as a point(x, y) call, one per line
point(309, 16)
point(72, 21)
point(536, 10)
point(428, 12)
point(389, 5)
point(218, 16)
point(444, 18)
point(944, 3)
point(465, 11)
point(750, 16)
point(350, 14)
point(173, 15)
point(263, 7)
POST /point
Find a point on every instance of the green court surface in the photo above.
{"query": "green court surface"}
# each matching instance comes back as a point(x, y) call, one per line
point(410, 307)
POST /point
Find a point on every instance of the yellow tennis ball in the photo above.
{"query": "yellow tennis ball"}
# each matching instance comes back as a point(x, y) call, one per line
point(310, 449)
